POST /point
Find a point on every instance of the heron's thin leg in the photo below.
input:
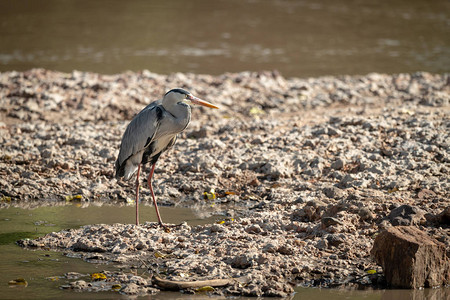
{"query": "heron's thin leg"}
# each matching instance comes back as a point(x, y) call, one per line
point(137, 194)
point(153, 194)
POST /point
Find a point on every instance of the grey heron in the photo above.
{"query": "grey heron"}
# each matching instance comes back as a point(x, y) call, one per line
point(151, 132)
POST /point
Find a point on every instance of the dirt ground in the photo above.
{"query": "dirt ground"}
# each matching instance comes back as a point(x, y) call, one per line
point(305, 172)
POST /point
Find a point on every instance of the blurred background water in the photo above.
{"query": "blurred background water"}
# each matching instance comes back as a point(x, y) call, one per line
point(299, 38)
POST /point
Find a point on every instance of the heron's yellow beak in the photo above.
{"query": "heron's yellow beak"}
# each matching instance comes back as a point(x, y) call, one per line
point(199, 101)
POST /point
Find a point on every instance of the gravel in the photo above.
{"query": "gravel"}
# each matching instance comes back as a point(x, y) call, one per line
point(306, 171)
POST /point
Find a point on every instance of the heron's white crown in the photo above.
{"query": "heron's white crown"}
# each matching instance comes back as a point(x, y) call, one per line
point(175, 96)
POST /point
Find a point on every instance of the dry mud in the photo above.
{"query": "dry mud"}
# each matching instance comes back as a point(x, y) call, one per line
point(305, 172)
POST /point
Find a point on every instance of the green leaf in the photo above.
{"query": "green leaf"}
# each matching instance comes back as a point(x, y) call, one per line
point(18, 281)
point(205, 289)
point(98, 276)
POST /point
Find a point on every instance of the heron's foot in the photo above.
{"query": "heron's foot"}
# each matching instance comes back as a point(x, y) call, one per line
point(167, 228)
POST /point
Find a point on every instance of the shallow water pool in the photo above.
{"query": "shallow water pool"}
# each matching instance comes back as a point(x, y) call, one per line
point(37, 267)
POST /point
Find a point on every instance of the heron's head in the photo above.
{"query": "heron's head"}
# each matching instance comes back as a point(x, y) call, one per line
point(178, 96)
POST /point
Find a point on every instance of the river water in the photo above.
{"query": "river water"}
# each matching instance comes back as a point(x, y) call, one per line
point(299, 38)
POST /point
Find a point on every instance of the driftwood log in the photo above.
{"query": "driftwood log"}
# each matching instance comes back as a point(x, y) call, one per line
point(179, 285)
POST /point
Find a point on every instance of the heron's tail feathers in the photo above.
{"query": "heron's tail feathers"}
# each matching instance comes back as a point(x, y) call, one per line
point(130, 171)
point(119, 170)
point(125, 170)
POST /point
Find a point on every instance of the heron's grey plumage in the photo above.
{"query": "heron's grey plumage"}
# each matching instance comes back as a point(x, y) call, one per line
point(138, 135)
point(152, 131)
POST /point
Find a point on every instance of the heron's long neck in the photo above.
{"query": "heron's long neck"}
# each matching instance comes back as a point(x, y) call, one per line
point(182, 114)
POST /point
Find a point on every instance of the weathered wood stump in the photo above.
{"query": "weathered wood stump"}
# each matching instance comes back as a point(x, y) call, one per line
point(411, 259)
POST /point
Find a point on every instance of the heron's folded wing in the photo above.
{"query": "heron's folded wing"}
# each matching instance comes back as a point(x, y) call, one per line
point(140, 132)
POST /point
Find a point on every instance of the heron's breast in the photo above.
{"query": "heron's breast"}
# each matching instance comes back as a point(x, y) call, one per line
point(161, 143)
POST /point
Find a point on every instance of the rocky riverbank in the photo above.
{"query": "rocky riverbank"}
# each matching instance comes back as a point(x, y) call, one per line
point(305, 172)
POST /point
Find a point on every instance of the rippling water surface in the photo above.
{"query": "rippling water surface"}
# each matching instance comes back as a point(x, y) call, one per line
point(297, 37)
